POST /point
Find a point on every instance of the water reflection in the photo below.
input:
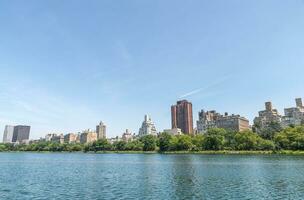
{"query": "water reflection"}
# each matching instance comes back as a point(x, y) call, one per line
point(123, 176)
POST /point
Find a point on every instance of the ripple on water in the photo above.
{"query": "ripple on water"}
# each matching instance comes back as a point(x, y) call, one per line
point(123, 176)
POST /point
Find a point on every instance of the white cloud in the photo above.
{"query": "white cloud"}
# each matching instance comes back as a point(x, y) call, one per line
point(206, 88)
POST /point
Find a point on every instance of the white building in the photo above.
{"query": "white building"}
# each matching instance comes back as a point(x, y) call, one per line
point(266, 117)
point(147, 127)
point(53, 137)
point(174, 131)
point(295, 115)
point(127, 136)
point(101, 130)
point(8, 134)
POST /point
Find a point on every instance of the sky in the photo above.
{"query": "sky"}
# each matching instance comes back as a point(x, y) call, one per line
point(65, 65)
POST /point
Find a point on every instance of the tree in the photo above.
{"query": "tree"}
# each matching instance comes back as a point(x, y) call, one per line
point(184, 143)
point(270, 130)
point(213, 142)
point(214, 139)
point(120, 145)
point(265, 145)
point(134, 145)
point(149, 142)
point(99, 145)
point(164, 141)
point(246, 140)
point(197, 142)
point(290, 138)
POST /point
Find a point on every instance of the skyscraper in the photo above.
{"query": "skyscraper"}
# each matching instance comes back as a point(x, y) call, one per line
point(181, 116)
point(101, 130)
point(266, 117)
point(21, 133)
point(147, 127)
point(8, 134)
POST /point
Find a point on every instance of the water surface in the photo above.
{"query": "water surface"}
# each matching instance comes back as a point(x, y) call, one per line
point(150, 176)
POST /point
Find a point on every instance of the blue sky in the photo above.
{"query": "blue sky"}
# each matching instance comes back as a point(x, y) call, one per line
point(65, 65)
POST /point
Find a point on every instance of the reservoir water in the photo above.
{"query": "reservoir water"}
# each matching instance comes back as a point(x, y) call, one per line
point(150, 176)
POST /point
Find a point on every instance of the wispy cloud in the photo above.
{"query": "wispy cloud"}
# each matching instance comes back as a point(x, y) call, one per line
point(206, 88)
point(45, 111)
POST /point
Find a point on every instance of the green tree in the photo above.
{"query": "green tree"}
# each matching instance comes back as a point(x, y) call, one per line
point(149, 142)
point(198, 142)
point(290, 138)
point(134, 145)
point(120, 145)
point(164, 141)
point(214, 139)
point(246, 140)
point(184, 143)
point(270, 130)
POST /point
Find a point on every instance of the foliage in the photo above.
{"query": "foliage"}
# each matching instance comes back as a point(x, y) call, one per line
point(215, 139)
point(149, 142)
point(164, 141)
point(291, 138)
point(270, 130)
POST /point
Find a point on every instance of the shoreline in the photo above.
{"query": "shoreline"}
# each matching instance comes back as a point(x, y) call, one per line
point(223, 152)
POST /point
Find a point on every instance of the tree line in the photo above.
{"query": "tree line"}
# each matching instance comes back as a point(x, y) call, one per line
point(272, 139)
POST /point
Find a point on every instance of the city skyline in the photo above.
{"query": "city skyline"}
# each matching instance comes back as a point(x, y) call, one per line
point(181, 115)
point(64, 67)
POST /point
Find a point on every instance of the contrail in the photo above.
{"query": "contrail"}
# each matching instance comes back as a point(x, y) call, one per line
point(218, 82)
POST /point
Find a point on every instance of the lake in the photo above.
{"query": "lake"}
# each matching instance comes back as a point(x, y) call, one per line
point(150, 176)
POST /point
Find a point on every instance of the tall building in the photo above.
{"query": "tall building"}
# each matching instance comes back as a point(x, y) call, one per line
point(21, 133)
point(212, 119)
point(295, 115)
point(147, 127)
point(127, 136)
point(70, 138)
point(206, 120)
point(8, 134)
point(88, 136)
point(266, 117)
point(101, 130)
point(181, 116)
point(56, 138)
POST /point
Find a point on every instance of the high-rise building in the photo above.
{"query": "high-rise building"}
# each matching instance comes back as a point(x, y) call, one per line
point(21, 133)
point(8, 134)
point(266, 117)
point(70, 138)
point(295, 115)
point(212, 119)
point(147, 127)
point(54, 137)
point(88, 136)
point(181, 116)
point(101, 130)
point(127, 136)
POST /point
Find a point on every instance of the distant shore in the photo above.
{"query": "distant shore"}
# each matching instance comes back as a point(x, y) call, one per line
point(223, 152)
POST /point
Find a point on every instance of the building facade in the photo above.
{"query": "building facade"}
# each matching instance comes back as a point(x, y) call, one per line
point(295, 115)
point(174, 131)
point(54, 137)
point(206, 120)
point(266, 117)
point(127, 136)
point(88, 136)
point(182, 117)
point(147, 127)
point(8, 134)
point(70, 138)
point(212, 119)
point(21, 134)
point(101, 130)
